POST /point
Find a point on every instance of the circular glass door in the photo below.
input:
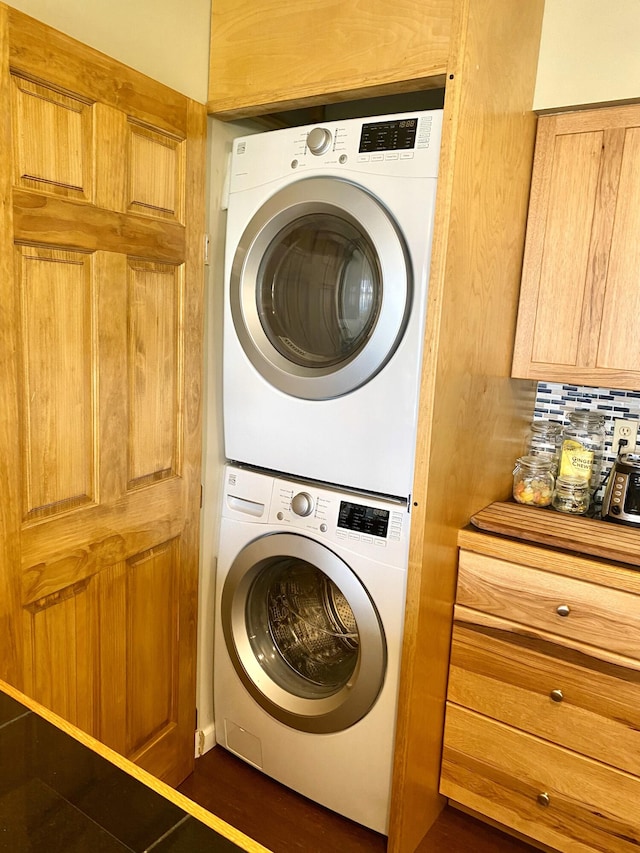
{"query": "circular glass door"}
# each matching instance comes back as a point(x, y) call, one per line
point(320, 288)
point(302, 633)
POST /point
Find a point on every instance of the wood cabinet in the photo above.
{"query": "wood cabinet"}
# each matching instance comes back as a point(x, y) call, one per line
point(271, 55)
point(579, 314)
point(268, 56)
point(542, 726)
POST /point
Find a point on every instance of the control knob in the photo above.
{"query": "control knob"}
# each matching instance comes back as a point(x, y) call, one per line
point(318, 140)
point(302, 504)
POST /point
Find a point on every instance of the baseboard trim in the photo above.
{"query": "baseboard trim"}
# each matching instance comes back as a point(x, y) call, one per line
point(205, 740)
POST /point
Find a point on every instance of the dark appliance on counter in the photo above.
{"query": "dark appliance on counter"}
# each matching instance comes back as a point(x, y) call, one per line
point(621, 502)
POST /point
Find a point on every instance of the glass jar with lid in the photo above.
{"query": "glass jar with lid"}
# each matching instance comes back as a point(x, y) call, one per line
point(582, 446)
point(544, 437)
point(572, 495)
point(533, 479)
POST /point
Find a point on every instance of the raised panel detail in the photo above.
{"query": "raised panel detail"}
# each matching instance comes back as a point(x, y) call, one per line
point(152, 637)
point(58, 356)
point(156, 173)
point(62, 639)
point(154, 332)
point(53, 140)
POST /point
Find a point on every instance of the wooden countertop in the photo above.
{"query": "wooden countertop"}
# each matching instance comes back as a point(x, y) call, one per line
point(591, 536)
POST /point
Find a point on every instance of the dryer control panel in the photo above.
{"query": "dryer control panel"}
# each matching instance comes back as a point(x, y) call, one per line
point(404, 145)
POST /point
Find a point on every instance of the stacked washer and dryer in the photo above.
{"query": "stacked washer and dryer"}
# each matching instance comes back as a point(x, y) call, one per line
point(328, 249)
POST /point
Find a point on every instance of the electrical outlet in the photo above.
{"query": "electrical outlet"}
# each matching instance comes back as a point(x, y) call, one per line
point(626, 430)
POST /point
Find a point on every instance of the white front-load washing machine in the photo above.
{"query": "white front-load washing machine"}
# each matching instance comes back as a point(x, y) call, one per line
point(327, 259)
point(310, 597)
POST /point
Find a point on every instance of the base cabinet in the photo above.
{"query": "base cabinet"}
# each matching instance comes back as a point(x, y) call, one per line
point(542, 729)
point(552, 794)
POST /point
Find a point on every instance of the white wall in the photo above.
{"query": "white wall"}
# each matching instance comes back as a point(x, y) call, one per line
point(589, 53)
point(165, 39)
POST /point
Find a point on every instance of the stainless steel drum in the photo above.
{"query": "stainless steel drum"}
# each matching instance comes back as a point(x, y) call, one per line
point(312, 625)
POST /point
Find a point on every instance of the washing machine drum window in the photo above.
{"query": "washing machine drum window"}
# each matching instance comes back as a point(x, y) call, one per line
point(302, 629)
point(320, 288)
point(319, 291)
point(303, 634)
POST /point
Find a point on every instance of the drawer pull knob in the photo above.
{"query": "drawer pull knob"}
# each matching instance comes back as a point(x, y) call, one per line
point(563, 610)
point(557, 695)
point(544, 799)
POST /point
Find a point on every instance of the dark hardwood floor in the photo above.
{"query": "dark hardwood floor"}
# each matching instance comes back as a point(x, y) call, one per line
point(285, 822)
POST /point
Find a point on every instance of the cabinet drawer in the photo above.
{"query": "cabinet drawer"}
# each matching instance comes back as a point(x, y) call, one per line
point(595, 614)
point(501, 772)
point(566, 696)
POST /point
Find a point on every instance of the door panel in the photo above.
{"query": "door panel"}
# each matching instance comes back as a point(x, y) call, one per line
point(57, 347)
point(61, 642)
point(65, 165)
point(103, 306)
point(574, 178)
point(152, 643)
point(155, 383)
point(579, 303)
point(156, 173)
point(622, 301)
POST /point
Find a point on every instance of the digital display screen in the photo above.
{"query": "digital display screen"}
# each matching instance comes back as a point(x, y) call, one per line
point(363, 519)
point(398, 135)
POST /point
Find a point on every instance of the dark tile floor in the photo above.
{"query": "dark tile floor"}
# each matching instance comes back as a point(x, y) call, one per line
point(57, 796)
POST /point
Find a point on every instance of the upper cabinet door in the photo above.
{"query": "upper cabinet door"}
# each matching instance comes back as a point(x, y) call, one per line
point(280, 55)
point(579, 315)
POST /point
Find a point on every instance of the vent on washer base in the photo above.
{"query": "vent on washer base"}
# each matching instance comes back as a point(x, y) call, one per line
point(243, 743)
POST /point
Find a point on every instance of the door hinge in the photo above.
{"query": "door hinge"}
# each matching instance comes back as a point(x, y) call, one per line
point(201, 495)
point(206, 248)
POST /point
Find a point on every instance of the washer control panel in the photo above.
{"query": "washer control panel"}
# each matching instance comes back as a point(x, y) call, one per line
point(302, 504)
point(361, 522)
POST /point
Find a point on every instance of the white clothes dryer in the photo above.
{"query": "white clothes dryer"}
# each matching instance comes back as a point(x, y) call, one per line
point(327, 259)
point(310, 597)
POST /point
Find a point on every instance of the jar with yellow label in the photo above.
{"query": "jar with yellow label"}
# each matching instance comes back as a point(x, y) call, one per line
point(533, 479)
point(582, 447)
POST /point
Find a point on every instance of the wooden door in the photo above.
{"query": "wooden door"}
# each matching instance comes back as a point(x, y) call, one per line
point(579, 315)
point(102, 188)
